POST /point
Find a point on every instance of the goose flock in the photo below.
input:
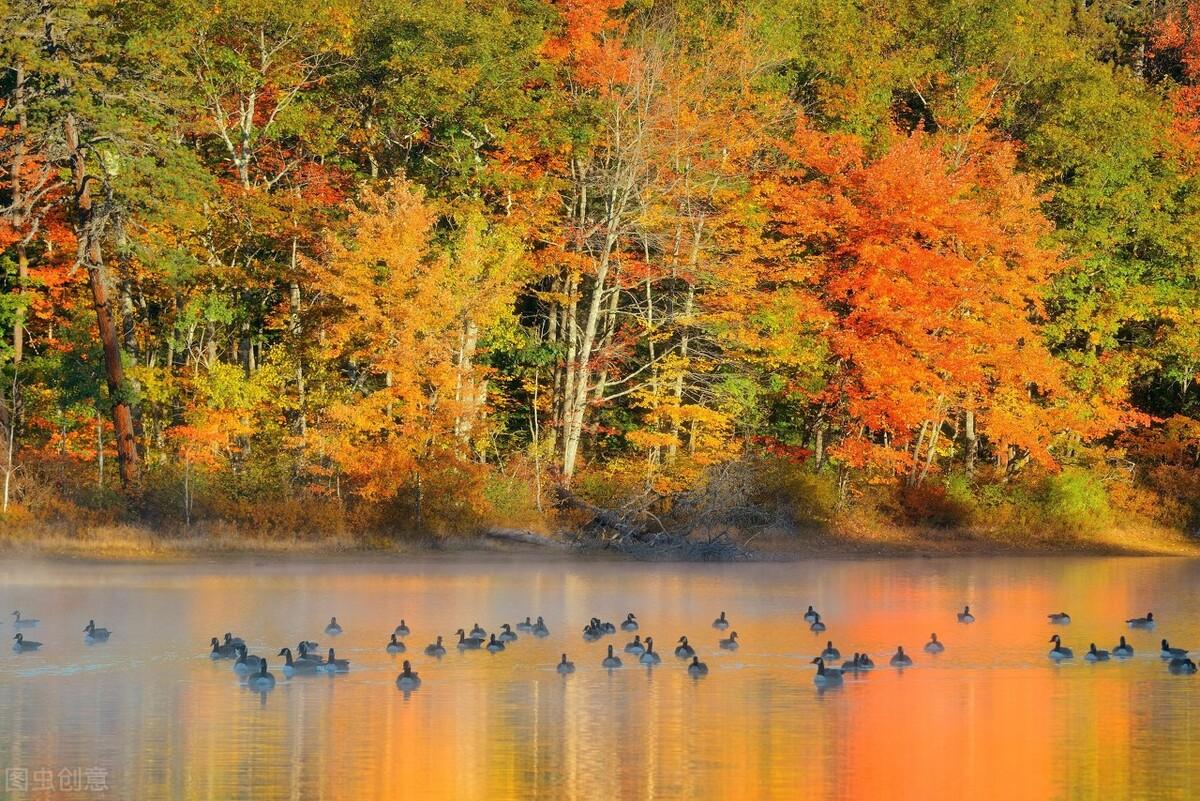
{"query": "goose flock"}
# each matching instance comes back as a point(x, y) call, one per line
point(305, 660)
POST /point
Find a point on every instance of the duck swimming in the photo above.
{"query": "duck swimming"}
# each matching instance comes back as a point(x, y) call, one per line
point(730, 643)
point(1183, 665)
point(1123, 648)
point(830, 653)
point(24, 622)
point(335, 665)
point(697, 668)
point(965, 615)
point(721, 623)
point(683, 650)
point(816, 625)
point(934, 646)
point(1170, 653)
point(408, 680)
point(1059, 618)
point(292, 667)
point(246, 662)
point(395, 646)
point(1146, 622)
point(334, 628)
point(435, 648)
point(21, 645)
point(495, 645)
point(465, 642)
point(540, 629)
point(93, 634)
point(220, 651)
point(826, 675)
point(1060, 651)
point(262, 680)
point(611, 661)
point(1095, 656)
point(635, 647)
point(402, 629)
point(564, 666)
point(629, 623)
point(901, 659)
point(650, 656)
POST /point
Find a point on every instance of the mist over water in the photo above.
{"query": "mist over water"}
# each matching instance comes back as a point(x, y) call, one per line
point(991, 717)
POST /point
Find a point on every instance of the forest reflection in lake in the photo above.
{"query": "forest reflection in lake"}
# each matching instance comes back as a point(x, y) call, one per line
point(992, 717)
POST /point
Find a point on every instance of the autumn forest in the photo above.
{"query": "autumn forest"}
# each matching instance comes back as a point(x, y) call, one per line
point(400, 266)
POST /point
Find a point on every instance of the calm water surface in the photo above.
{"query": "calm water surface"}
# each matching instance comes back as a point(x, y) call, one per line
point(992, 717)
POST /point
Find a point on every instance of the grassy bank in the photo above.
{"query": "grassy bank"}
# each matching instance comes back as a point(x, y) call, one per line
point(128, 542)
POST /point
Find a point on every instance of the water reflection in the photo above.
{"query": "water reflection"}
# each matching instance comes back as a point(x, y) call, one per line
point(991, 717)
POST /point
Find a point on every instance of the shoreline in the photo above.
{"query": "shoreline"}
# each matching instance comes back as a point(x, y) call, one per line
point(141, 545)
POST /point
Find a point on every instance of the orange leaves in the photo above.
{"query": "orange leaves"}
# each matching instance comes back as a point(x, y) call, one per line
point(589, 44)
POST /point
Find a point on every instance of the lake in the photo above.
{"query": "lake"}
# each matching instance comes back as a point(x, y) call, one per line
point(149, 715)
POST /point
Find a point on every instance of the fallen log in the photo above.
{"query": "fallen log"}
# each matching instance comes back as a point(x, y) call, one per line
point(523, 537)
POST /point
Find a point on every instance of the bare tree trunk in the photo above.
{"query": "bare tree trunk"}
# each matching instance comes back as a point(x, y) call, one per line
point(972, 441)
point(88, 230)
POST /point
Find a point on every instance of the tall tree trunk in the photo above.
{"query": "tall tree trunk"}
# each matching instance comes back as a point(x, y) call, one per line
point(972, 441)
point(88, 231)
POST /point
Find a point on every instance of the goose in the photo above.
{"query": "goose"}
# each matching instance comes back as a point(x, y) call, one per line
point(402, 629)
point(408, 680)
point(817, 625)
point(965, 615)
point(901, 659)
point(307, 645)
point(564, 666)
point(1059, 618)
point(91, 634)
point(526, 626)
point(683, 650)
point(608, 628)
point(629, 623)
point(477, 631)
point(495, 645)
point(1123, 648)
point(730, 643)
point(507, 634)
point(246, 662)
point(1146, 622)
point(24, 622)
point(811, 615)
point(395, 646)
point(934, 646)
point(220, 651)
point(826, 675)
point(635, 647)
point(334, 628)
point(540, 629)
point(305, 655)
point(650, 656)
point(234, 641)
point(1095, 656)
point(1060, 651)
point(611, 661)
point(830, 653)
point(865, 662)
point(335, 665)
point(435, 648)
point(1181, 664)
point(721, 623)
point(591, 632)
point(292, 667)
point(262, 680)
point(465, 642)
point(852, 664)
point(697, 668)
point(1170, 653)
point(21, 645)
